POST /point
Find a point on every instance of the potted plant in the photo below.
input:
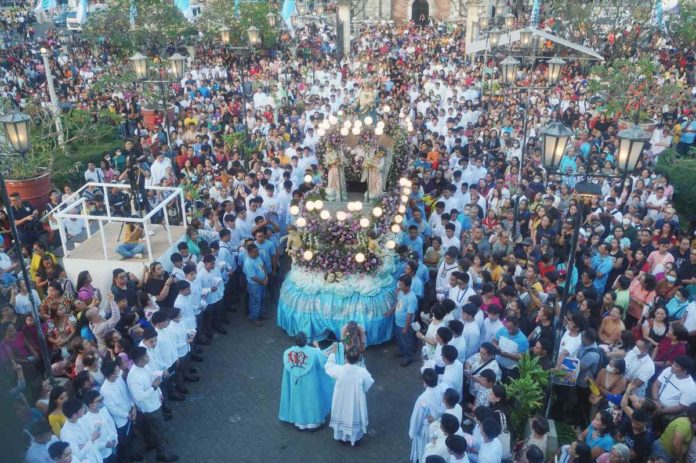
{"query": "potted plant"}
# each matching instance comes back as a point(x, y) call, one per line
point(626, 89)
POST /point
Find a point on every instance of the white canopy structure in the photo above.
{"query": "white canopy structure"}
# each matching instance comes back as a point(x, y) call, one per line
point(506, 38)
point(75, 208)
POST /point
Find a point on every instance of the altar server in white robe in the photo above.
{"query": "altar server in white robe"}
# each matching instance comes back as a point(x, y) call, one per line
point(453, 376)
point(428, 407)
point(101, 420)
point(349, 406)
point(79, 434)
point(447, 425)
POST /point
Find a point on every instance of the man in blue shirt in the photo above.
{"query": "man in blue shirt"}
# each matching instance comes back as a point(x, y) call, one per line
point(257, 279)
point(511, 344)
point(602, 263)
point(404, 311)
point(413, 241)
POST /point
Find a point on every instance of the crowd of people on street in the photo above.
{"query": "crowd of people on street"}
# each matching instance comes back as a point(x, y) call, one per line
point(479, 289)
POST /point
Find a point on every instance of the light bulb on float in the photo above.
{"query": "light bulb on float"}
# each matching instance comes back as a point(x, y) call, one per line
point(340, 113)
point(360, 258)
point(403, 181)
point(321, 132)
point(345, 131)
point(380, 125)
point(301, 222)
point(307, 255)
point(358, 205)
point(404, 199)
point(319, 204)
point(406, 191)
point(308, 178)
point(333, 120)
point(386, 109)
point(340, 215)
point(310, 206)
point(325, 214)
point(364, 222)
point(347, 124)
point(358, 123)
point(391, 244)
point(395, 228)
point(368, 120)
point(398, 219)
point(402, 209)
point(377, 211)
point(350, 207)
point(356, 130)
point(379, 131)
point(294, 210)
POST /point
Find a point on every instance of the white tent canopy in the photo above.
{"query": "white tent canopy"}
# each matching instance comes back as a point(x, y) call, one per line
point(514, 36)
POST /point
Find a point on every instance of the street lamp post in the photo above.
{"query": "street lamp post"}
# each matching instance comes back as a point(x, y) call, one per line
point(176, 67)
point(555, 138)
point(254, 38)
point(16, 127)
point(509, 68)
point(55, 106)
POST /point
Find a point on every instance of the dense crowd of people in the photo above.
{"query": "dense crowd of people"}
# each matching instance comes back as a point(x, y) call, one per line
point(474, 294)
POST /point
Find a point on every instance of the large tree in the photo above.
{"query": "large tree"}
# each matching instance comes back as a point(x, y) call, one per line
point(138, 25)
point(219, 13)
point(588, 20)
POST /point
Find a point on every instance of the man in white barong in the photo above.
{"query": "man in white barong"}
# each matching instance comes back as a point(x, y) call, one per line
point(428, 408)
point(453, 375)
point(349, 406)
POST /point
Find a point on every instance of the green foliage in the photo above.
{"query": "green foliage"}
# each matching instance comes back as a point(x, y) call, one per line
point(681, 172)
point(219, 13)
point(682, 26)
point(626, 87)
point(157, 23)
point(527, 391)
point(586, 19)
point(565, 432)
point(238, 139)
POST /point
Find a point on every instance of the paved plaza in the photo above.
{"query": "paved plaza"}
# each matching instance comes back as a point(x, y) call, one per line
point(232, 414)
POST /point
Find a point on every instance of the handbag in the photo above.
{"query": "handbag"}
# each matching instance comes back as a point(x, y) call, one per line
point(504, 437)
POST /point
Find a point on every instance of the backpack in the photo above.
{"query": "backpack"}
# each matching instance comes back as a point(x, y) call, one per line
point(603, 359)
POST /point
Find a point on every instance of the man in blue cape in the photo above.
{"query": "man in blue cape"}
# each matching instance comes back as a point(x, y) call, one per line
point(305, 398)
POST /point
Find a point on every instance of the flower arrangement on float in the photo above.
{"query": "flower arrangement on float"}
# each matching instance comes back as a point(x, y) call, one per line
point(356, 241)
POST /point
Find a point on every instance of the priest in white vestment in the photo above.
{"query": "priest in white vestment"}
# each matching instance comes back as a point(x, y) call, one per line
point(349, 407)
point(428, 407)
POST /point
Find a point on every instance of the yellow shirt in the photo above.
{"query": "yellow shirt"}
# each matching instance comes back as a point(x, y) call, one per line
point(57, 421)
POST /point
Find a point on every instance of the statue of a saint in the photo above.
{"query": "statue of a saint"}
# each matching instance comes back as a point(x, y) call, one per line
point(336, 181)
point(373, 168)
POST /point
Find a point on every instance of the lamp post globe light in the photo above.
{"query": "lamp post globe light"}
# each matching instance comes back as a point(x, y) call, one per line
point(526, 37)
point(494, 37)
point(509, 21)
point(16, 127)
point(484, 21)
point(631, 143)
point(225, 35)
point(139, 64)
point(553, 72)
point(254, 36)
point(509, 67)
point(271, 18)
point(177, 64)
point(555, 137)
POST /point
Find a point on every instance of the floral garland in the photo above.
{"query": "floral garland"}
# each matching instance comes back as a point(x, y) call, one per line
point(333, 140)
